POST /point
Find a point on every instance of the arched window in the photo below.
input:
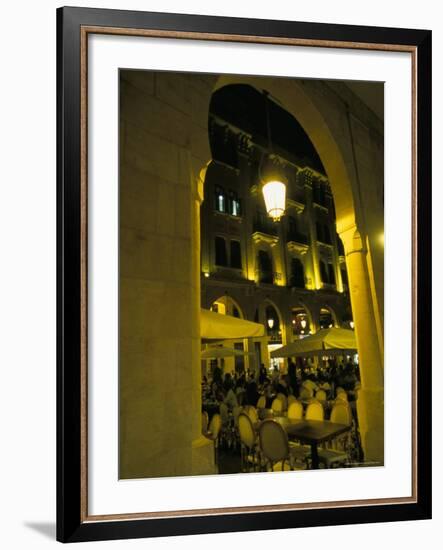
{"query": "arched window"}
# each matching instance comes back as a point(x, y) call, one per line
point(220, 199)
point(319, 228)
point(324, 272)
point(234, 204)
point(326, 235)
point(297, 278)
point(331, 274)
point(319, 194)
point(264, 267)
point(292, 228)
point(301, 325)
point(326, 318)
point(273, 328)
point(220, 252)
point(235, 255)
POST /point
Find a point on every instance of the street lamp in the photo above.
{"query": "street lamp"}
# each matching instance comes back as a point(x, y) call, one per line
point(274, 185)
point(274, 193)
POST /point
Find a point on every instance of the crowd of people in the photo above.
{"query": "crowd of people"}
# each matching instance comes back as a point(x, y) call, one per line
point(241, 388)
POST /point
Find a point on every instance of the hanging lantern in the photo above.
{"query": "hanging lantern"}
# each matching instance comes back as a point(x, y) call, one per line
point(274, 186)
point(271, 323)
point(274, 193)
point(303, 323)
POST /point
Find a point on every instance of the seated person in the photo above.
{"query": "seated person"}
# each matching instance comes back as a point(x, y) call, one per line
point(230, 396)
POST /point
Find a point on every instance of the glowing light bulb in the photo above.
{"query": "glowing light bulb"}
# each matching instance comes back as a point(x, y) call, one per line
point(274, 193)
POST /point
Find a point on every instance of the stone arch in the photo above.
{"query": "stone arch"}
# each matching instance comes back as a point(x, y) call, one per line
point(229, 302)
point(268, 301)
point(330, 310)
point(298, 308)
point(329, 128)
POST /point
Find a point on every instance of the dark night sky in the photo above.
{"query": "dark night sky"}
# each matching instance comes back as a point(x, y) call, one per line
point(244, 107)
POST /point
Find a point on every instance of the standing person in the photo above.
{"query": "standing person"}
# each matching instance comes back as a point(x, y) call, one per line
point(217, 374)
point(292, 375)
point(281, 386)
point(230, 396)
point(252, 394)
point(263, 374)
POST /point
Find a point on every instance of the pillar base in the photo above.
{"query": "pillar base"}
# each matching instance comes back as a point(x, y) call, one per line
point(203, 457)
point(370, 411)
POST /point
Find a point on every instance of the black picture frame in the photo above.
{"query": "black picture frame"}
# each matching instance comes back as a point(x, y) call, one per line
point(72, 524)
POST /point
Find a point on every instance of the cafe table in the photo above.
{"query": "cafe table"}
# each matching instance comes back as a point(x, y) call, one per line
point(312, 432)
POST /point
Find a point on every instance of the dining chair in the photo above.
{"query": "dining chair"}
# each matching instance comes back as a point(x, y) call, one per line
point(320, 395)
point(274, 445)
point(248, 443)
point(338, 451)
point(276, 449)
point(277, 406)
point(315, 411)
point(261, 403)
point(340, 413)
point(341, 396)
point(283, 399)
point(235, 413)
point(291, 399)
point(252, 413)
point(295, 410)
point(213, 433)
point(306, 393)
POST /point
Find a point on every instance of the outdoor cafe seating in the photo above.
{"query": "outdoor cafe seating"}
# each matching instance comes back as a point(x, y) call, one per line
point(316, 428)
point(299, 438)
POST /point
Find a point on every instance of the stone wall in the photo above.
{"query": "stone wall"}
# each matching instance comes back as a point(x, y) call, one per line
point(159, 291)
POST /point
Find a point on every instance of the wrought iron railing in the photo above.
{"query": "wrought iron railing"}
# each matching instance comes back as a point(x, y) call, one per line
point(263, 224)
point(268, 277)
point(296, 237)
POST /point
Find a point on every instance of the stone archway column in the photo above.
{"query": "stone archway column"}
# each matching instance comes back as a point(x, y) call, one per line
point(370, 402)
point(202, 449)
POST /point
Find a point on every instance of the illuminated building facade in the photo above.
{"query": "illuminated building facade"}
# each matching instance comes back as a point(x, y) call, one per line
point(290, 275)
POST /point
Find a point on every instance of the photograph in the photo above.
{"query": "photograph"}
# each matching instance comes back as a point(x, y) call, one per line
point(243, 278)
point(218, 251)
point(253, 208)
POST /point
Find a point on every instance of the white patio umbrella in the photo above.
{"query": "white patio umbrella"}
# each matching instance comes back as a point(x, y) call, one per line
point(216, 326)
point(328, 341)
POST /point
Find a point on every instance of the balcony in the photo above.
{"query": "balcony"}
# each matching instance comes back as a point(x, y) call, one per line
point(263, 224)
point(297, 242)
point(324, 244)
point(264, 230)
point(296, 200)
point(296, 237)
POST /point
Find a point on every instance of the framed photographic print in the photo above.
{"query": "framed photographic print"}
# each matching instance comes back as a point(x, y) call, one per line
point(243, 274)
